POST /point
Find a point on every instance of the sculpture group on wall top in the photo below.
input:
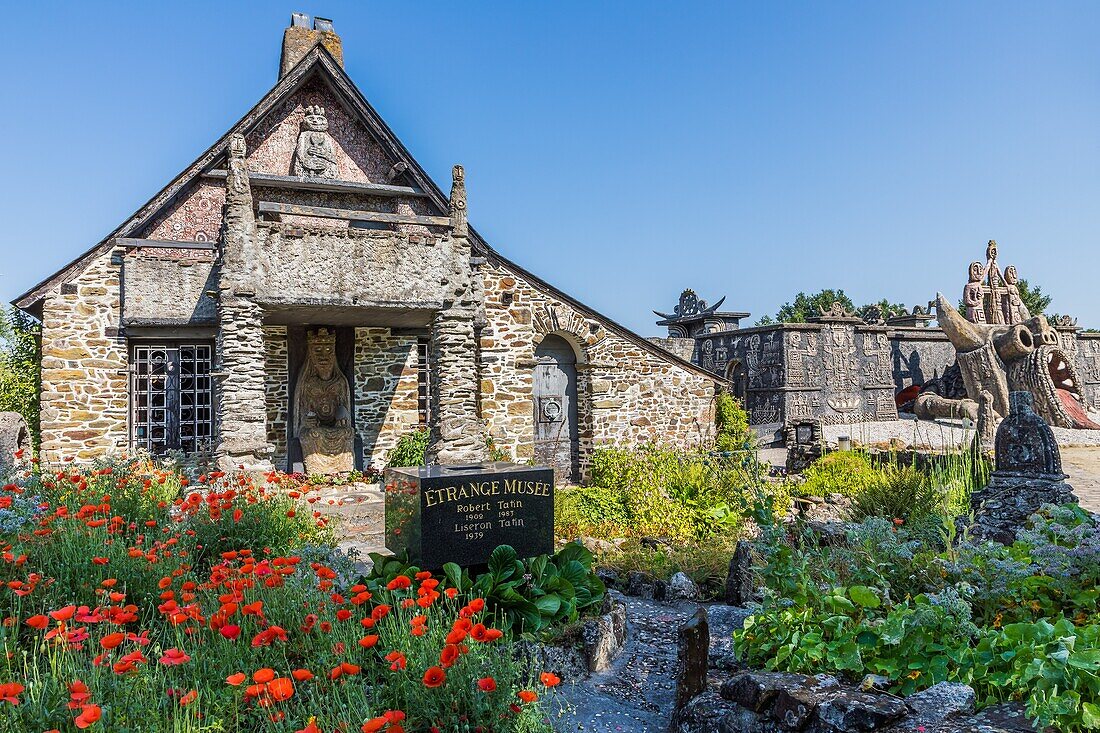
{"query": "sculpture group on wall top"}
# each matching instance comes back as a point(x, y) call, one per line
point(1001, 348)
point(991, 296)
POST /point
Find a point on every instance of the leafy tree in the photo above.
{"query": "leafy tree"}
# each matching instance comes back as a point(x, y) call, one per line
point(806, 307)
point(20, 367)
point(885, 308)
point(1036, 301)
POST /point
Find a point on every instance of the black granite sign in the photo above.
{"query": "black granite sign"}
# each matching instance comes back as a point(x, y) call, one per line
point(460, 514)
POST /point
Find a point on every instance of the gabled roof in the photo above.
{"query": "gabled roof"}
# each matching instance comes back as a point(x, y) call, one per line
point(319, 62)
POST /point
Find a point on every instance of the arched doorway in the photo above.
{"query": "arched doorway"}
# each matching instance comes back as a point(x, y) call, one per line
point(555, 406)
point(738, 378)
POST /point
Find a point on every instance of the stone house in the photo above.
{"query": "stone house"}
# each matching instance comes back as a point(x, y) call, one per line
point(188, 327)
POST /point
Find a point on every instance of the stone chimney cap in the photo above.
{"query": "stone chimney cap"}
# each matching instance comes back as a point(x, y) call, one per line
point(304, 33)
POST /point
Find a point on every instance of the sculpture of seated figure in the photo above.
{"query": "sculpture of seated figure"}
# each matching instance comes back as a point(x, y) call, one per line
point(322, 402)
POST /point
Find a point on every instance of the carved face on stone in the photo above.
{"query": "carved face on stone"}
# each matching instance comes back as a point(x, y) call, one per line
point(975, 271)
point(315, 120)
point(1011, 277)
point(689, 303)
point(322, 353)
point(991, 250)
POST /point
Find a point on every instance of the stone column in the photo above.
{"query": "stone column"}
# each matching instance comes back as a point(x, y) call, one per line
point(457, 435)
point(241, 398)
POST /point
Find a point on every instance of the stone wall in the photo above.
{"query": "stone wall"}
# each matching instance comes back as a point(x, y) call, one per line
point(169, 291)
point(627, 393)
point(919, 355)
point(1088, 367)
point(386, 390)
point(85, 382)
point(276, 365)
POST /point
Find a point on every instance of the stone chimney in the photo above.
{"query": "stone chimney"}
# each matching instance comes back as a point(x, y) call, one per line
point(300, 37)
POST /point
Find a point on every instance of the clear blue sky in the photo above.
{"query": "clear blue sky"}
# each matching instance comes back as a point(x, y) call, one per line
point(623, 151)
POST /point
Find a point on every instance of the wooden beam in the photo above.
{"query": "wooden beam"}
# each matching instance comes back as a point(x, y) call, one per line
point(325, 212)
point(162, 243)
point(323, 184)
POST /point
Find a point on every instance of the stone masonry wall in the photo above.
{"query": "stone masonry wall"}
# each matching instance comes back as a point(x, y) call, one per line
point(627, 395)
point(386, 389)
point(85, 402)
point(277, 386)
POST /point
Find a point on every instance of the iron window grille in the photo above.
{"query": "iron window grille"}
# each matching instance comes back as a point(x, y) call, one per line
point(172, 397)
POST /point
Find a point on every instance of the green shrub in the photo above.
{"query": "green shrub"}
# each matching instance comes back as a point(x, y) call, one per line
point(706, 563)
point(410, 449)
point(660, 492)
point(731, 422)
point(900, 492)
point(841, 472)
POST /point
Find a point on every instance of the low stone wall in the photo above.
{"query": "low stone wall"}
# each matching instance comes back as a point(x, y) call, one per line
point(85, 382)
point(277, 386)
point(386, 391)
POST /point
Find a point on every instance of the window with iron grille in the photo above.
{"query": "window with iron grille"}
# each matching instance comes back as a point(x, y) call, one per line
point(423, 375)
point(171, 397)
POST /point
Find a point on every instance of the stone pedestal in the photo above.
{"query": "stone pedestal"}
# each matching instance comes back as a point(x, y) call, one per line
point(1028, 474)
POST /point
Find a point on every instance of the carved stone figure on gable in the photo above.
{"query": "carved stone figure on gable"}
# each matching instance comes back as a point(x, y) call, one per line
point(315, 154)
point(322, 409)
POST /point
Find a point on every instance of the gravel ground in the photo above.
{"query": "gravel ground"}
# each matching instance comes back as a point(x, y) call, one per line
point(937, 434)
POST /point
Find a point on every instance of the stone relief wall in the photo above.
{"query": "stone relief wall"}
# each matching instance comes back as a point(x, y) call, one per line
point(164, 290)
point(276, 366)
point(85, 383)
point(1088, 367)
point(288, 263)
point(626, 395)
point(386, 390)
point(919, 355)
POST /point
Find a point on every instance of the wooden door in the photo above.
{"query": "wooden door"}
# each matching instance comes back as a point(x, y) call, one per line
point(555, 404)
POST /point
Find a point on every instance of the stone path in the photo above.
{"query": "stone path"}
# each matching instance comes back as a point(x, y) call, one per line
point(638, 693)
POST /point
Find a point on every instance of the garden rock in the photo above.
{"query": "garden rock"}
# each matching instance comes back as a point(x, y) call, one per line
point(739, 579)
point(605, 637)
point(693, 651)
point(930, 707)
point(724, 620)
point(682, 588)
point(14, 436)
point(639, 584)
point(852, 711)
point(609, 577)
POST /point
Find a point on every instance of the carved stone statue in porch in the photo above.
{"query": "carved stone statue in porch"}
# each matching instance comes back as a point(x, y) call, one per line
point(322, 409)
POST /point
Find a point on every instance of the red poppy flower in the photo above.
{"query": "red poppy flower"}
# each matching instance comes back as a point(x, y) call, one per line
point(38, 622)
point(487, 684)
point(302, 675)
point(527, 696)
point(401, 582)
point(63, 614)
point(174, 657)
point(9, 692)
point(368, 641)
point(230, 631)
point(262, 675)
point(549, 679)
point(280, 689)
point(89, 714)
point(110, 641)
point(434, 677)
point(236, 679)
point(343, 614)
